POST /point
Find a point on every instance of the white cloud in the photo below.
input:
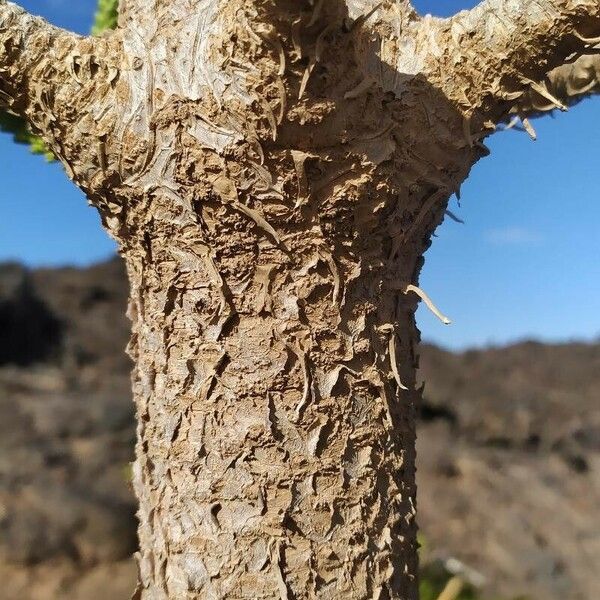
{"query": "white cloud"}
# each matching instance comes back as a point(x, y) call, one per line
point(513, 236)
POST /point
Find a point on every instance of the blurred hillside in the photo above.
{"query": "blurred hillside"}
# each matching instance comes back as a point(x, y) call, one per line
point(509, 451)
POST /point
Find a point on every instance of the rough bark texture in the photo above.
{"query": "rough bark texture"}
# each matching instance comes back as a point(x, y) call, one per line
point(566, 85)
point(65, 86)
point(273, 171)
point(272, 334)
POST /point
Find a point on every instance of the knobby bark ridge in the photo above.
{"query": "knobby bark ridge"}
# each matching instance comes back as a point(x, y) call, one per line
point(561, 88)
point(273, 171)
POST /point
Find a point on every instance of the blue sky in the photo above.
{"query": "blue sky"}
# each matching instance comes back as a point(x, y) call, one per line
point(525, 264)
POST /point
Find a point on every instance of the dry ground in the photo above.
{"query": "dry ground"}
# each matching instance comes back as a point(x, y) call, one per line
point(509, 451)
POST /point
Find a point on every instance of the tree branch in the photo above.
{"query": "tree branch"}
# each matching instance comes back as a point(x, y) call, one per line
point(64, 85)
point(27, 45)
point(569, 84)
point(500, 49)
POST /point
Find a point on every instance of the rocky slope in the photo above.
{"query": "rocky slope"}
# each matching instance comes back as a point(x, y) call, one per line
point(509, 451)
point(67, 525)
point(509, 466)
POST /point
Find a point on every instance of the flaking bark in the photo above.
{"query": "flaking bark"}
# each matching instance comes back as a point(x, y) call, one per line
point(67, 87)
point(273, 171)
point(569, 84)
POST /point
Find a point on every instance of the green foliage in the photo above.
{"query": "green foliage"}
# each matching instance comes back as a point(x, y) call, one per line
point(15, 125)
point(434, 577)
point(433, 581)
point(106, 18)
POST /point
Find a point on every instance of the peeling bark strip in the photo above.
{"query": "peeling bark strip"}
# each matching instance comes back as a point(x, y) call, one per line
point(569, 83)
point(273, 171)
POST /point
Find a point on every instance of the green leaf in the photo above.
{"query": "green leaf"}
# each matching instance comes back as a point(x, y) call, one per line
point(106, 18)
point(15, 125)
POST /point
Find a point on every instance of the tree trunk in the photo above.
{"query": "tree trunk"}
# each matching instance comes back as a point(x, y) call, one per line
point(273, 172)
point(274, 334)
point(276, 448)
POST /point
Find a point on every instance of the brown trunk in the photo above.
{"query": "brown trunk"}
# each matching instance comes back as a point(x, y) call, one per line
point(275, 386)
point(275, 450)
point(273, 321)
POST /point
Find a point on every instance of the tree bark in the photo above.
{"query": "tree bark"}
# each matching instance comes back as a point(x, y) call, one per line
point(65, 86)
point(273, 172)
point(274, 340)
point(566, 85)
point(276, 447)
